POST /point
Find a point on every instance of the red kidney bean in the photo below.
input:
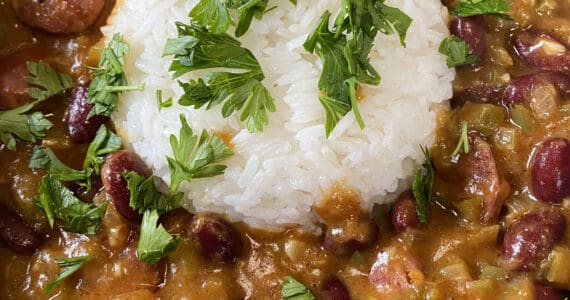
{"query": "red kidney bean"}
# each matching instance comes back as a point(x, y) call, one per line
point(115, 166)
point(531, 238)
point(16, 233)
point(518, 90)
point(550, 171)
point(479, 92)
point(80, 128)
point(404, 213)
point(215, 237)
point(59, 16)
point(334, 289)
point(471, 30)
point(542, 50)
point(542, 292)
point(87, 195)
point(350, 235)
point(394, 273)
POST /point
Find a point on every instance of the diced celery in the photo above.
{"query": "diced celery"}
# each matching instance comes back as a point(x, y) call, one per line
point(482, 289)
point(558, 268)
point(522, 117)
point(470, 209)
point(482, 117)
point(493, 272)
point(506, 138)
point(565, 110)
point(456, 272)
point(546, 6)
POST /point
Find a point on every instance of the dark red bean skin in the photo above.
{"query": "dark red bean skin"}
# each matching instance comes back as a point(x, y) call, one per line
point(16, 233)
point(59, 16)
point(530, 239)
point(334, 289)
point(542, 292)
point(479, 92)
point(353, 235)
point(87, 195)
point(404, 213)
point(518, 89)
point(536, 49)
point(471, 30)
point(550, 171)
point(82, 129)
point(13, 87)
point(216, 238)
point(115, 166)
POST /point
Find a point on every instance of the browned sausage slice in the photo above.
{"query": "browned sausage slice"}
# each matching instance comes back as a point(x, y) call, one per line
point(16, 233)
point(59, 16)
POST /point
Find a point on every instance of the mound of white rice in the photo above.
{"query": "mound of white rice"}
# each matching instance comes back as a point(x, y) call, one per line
point(275, 177)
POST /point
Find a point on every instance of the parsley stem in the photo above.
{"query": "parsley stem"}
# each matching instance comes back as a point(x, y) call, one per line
point(463, 140)
point(124, 88)
point(353, 102)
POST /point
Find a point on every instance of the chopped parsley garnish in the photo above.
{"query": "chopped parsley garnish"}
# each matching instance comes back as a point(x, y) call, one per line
point(294, 290)
point(160, 103)
point(497, 8)
point(110, 78)
point(58, 202)
point(422, 187)
point(46, 159)
point(48, 82)
point(216, 15)
point(68, 266)
point(145, 196)
point(195, 156)
point(457, 52)
point(18, 123)
point(196, 48)
point(463, 140)
point(154, 242)
point(345, 52)
point(105, 142)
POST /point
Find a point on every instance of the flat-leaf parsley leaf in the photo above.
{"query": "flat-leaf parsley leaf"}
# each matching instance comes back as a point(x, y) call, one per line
point(154, 242)
point(422, 186)
point(457, 52)
point(68, 266)
point(497, 8)
point(294, 290)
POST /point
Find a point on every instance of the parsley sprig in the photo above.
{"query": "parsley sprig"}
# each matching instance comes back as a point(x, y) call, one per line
point(457, 52)
point(216, 15)
point(154, 242)
point(497, 8)
point(292, 289)
point(345, 51)
point(145, 196)
point(197, 48)
point(463, 140)
point(46, 159)
point(68, 267)
point(46, 80)
point(110, 78)
point(195, 156)
point(422, 186)
point(58, 202)
point(105, 142)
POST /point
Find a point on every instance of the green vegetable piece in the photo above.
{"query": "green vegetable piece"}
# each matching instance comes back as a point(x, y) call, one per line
point(160, 103)
point(105, 142)
point(482, 117)
point(58, 202)
point(46, 159)
point(145, 196)
point(48, 82)
point(154, 242)
point(463, 140)
point(195, 156)
point(422, 186)
point(497, 8)
point(522, 117)
point(345, 51)
point(110, 78)
point(457, 52)
point(68, 266)
point(216, 15)
point(26, 126)
point(196, 49)
point(294, 290)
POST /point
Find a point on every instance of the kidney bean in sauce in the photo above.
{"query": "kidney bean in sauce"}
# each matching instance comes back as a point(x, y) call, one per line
point(472, 31)
point(529, 239)
point(404, 213)
point(550, 171)
point(542, 292)
point(16, 233)
point(350, 235)
point(115, 166)
point(542, 50)
point(519, 89)
point(215, 237)
point(334, 289)
point(82, 129)
point(59, 16)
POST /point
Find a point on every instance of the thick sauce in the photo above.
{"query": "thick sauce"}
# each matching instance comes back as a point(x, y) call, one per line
point(456, 254)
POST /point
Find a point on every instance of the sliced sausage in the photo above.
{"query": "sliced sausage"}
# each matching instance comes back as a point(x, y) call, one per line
point(404, 213)
point(396, 272)
point(215, 237)
point(13, 86)
point(16, 233)
point(115, 166)
point(59, 16)
point(542, 50)
point(530, 239)
point(82, 129)
point(550, 171)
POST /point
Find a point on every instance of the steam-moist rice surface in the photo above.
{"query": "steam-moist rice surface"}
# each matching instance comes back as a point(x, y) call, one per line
point(276, 176)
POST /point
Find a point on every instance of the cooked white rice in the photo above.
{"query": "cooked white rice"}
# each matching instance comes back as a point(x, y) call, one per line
point(275, 177)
